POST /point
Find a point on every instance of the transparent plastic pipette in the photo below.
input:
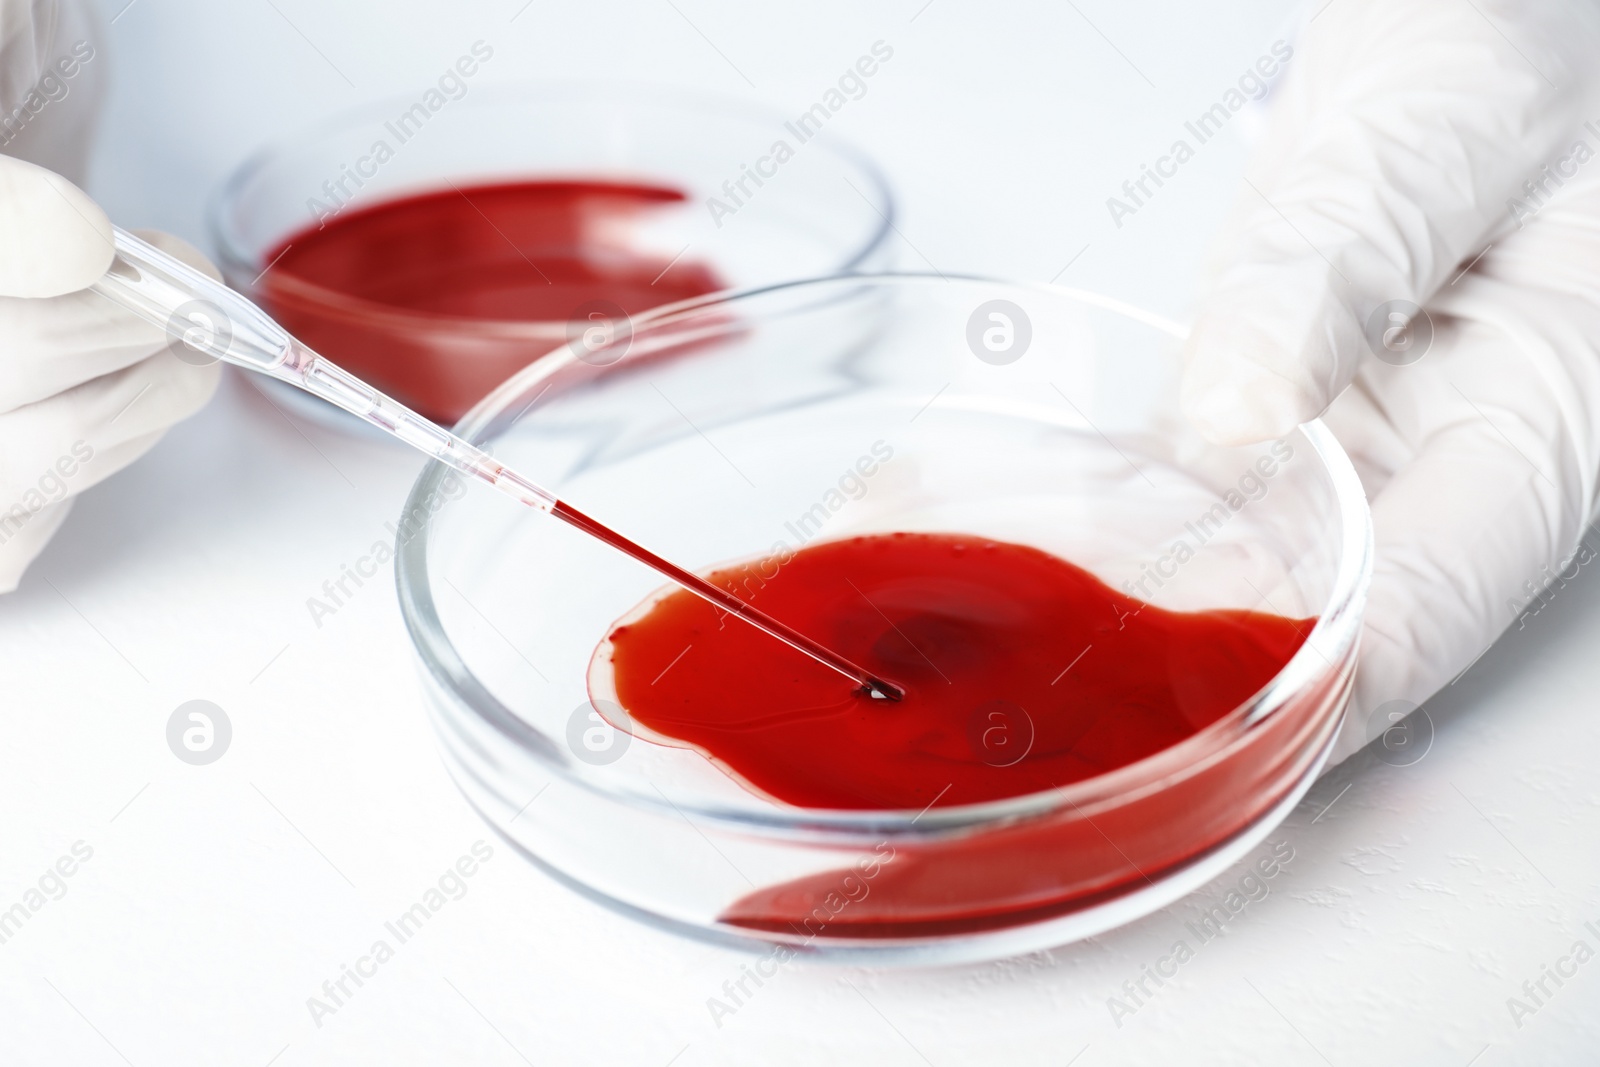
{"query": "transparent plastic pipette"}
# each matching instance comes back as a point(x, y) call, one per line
point(209, 317)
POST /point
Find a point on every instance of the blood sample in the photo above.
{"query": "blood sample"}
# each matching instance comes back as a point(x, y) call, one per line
point(1022, 673)
point(431, 296)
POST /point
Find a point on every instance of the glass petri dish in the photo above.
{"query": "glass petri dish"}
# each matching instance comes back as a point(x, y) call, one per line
point(714, 223)
point(727, 419)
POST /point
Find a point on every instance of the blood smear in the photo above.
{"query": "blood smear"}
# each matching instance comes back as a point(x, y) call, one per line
point(429, 296)
point(1023, 672)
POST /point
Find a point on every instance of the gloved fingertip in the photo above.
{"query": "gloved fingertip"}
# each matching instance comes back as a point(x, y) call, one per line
point(54, 239)
point(1231, 416)
point(1232, 400)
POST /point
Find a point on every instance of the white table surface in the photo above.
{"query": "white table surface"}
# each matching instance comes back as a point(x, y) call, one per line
point(219, 898)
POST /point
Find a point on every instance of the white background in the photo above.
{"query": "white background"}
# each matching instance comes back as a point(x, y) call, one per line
point(219, 898)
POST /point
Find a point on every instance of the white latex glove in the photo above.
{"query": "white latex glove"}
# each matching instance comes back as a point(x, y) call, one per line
point(1396, 154)
point(85, 388)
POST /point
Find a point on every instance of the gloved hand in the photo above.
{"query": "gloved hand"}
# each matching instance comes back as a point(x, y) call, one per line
point(1433, 152)
point(85, 388)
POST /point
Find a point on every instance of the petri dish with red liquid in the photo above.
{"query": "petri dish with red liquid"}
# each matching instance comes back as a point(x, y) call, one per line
point(437, 256)
point(1125, 651)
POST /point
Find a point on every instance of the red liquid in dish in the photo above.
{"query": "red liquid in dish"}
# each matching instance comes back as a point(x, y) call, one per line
point(1022, 672)
point(434, 297)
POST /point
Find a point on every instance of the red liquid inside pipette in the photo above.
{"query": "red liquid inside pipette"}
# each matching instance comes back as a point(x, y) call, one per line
point(713, 596)
point(411, 294)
